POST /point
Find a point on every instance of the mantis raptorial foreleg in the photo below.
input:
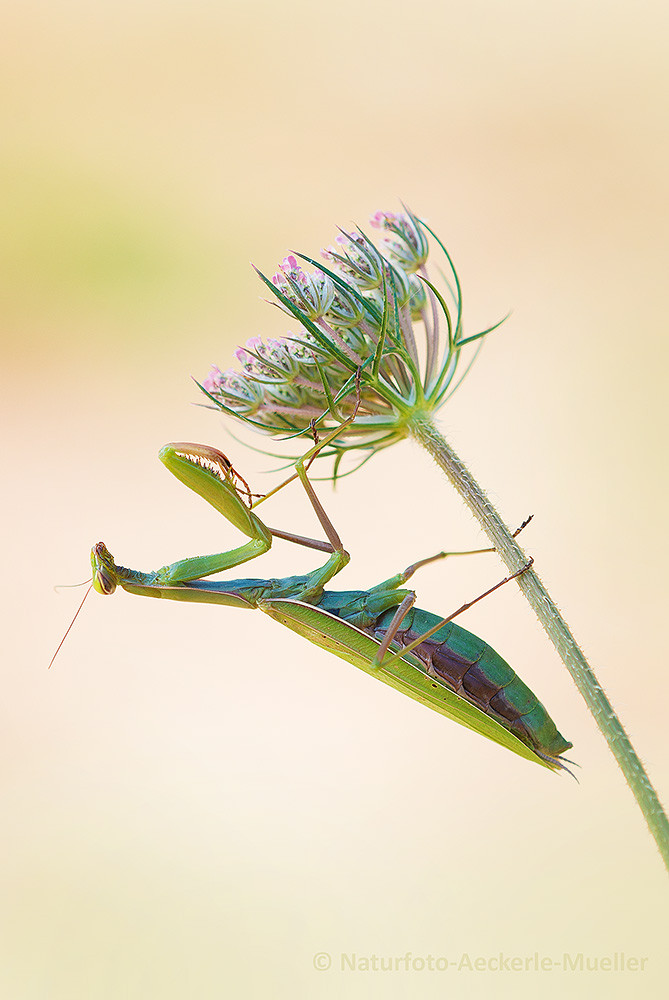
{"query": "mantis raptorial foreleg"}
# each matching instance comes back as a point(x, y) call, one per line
point(211, 475)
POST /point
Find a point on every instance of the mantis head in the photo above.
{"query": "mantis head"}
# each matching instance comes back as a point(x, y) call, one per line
point(105, 576)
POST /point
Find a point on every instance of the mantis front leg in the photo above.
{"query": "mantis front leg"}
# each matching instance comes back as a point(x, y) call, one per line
point(209, 473)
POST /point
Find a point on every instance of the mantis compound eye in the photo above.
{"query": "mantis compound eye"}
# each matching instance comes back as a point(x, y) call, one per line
point(103, 583)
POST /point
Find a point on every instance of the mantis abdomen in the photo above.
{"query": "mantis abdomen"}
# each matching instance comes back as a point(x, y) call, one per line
point(471, 668)
point(477, 673)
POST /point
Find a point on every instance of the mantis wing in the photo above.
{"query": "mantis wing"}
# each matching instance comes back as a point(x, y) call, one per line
point(407, 674)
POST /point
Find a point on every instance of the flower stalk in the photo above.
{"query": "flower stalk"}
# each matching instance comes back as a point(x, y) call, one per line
point(423, 430)
point(379, 340)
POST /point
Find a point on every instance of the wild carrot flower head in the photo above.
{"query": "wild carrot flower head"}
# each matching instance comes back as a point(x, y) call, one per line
point(370, 315)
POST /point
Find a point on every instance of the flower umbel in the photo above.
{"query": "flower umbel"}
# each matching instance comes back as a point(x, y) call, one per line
point(359, 313)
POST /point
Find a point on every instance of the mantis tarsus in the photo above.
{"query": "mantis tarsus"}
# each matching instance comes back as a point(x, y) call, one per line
point(428, 658)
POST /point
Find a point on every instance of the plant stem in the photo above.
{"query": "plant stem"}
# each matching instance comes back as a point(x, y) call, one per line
point(423, 430)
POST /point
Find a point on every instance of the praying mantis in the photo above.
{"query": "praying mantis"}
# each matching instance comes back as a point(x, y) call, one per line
point(430, 659)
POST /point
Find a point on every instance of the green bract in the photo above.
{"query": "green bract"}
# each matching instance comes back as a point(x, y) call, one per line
point(372, 310)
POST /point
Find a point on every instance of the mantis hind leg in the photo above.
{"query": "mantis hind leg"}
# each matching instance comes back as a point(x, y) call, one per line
point(401, 578)
point(410, 570)
point(381, 659)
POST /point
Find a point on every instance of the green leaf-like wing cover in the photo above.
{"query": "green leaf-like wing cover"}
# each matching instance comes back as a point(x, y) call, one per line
point(406, 675)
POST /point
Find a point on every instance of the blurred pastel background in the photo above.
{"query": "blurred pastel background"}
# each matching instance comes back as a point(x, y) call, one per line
point(195, 801)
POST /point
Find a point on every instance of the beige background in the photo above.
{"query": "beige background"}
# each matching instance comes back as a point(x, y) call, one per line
point(194, 800)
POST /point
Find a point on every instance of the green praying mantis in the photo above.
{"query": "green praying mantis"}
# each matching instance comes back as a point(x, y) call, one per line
point(430, 659)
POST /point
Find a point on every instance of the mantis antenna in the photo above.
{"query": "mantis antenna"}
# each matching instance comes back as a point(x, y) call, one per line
point(71, 623)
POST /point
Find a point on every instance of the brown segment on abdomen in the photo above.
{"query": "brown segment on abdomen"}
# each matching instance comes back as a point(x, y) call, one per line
point(500, 705)
point(479, 687)
point(519, 729)
point(467, 679)
point(437, 657)
point(449, 666)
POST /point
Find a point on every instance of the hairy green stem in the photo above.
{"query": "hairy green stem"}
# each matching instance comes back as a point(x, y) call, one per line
point(423, 430)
